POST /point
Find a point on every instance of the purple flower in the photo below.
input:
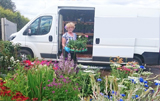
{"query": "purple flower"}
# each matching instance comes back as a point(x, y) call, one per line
point(66, 90)
point(99, 79)
point(102, 94)
point(56, 84)
point(136, 96)
point(157, 84)
point(142, 67)
point(64, 80)
point(152, 91)
point(132, 80)
point(54, 79)
point(141, 79)
point(120, 99)
point(53, 91)
point(49, 85)
point(145, 85)
point(44, 87)
point(61, 76)
point(112, 92)
point(123, 95)
point(48, 80)
point(145, 82)
point(74, 88)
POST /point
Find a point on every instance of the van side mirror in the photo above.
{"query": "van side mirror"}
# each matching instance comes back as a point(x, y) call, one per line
point(29, 32)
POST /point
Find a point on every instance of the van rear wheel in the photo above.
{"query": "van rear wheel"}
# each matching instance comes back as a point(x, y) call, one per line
point(138, 60)
point(23, 53)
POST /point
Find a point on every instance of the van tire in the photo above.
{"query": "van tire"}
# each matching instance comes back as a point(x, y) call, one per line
point(25, 52)
point(138, 60)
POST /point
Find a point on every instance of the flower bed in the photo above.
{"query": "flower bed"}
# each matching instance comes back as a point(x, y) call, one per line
point(47, 80)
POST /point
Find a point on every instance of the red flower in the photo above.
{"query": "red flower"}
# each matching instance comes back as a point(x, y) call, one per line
point(19, 97)
point(27, 62)
point(55, 68)
point(35, 99)
point(1, 83)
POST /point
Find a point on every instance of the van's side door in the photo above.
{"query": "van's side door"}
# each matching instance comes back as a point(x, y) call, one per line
point(41, 38)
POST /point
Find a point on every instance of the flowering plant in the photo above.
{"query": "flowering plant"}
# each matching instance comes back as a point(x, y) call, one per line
point(78, 45)
point(61, 89)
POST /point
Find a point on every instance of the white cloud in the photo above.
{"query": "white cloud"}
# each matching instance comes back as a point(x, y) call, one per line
point(30, 8)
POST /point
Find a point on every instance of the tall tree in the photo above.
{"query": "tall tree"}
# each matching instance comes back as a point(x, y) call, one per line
point(8, 4)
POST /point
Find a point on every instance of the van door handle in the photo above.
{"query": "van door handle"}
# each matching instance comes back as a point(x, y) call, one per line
point(50, 38)
point(97, 40)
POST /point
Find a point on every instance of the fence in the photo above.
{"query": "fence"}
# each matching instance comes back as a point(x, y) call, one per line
point(7, 28)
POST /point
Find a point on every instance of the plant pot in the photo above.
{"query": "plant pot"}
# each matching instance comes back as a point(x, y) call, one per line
point(72, 49)
point(85, 49)
point(79, 51)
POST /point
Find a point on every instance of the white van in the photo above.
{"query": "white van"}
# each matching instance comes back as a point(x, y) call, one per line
point(130, 33)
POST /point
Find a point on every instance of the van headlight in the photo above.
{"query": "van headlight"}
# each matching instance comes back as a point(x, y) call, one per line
point(11, 38)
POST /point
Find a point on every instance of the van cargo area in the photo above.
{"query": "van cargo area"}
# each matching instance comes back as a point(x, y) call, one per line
point(84, 26)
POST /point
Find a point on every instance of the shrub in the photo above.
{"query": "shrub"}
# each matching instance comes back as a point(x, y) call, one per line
point(8, 54)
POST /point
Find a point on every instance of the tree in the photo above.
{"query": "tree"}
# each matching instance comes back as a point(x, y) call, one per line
point(8, 4)
point(15, 17)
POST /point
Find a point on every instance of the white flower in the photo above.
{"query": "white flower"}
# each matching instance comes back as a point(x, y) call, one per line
point(6, 57)
point(12, 59)
point(116, 65)
point(17, 60)
point(135, 74)
point(1, 58)
point(122, 86)
point(157, 81)
point(146, 73)
point(9, 67)
point(89, 71)
point(79, 36)
point(136, 79)
point(118, 78)
point(40, 66)
point(14, 62)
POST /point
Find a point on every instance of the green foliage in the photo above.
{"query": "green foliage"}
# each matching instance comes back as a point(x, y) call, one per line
point(8, 4)
point(18, 81)
point(15, 17)
point(37, 80)
point(79, 44)
point(8, 54)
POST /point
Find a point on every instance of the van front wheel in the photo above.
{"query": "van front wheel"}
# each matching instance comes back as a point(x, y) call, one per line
point(23, 53)
point(138, 60)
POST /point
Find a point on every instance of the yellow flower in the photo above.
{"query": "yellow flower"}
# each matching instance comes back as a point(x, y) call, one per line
point(1, 79)
point(5, 81)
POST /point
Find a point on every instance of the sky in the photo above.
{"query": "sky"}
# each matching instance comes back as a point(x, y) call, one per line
point(30, 8)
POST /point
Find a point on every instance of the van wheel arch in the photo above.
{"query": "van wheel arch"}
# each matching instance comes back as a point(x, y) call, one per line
point(139, 59)
point(27, 50)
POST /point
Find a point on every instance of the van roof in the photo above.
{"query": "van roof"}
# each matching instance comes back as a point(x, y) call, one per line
point(111, 10)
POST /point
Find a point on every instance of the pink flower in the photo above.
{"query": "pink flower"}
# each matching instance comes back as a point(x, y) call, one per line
point(55, 68)
point(53, 91)
point(66, 90)
point(86, 36)
point(135, 69)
